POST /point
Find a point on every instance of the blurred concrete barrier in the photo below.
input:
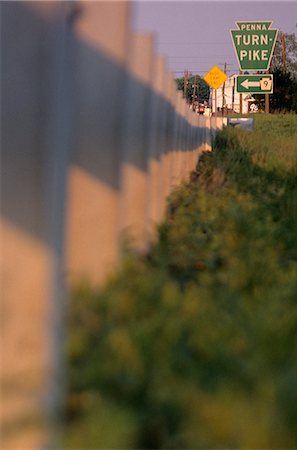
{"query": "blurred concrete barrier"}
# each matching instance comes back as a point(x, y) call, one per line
point(242, 122)
point(35, 147)
point(94, 138)
point(135, 132)
point(156, 144)
point(100, 46)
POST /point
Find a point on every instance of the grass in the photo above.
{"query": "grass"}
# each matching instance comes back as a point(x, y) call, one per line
point(195, 344)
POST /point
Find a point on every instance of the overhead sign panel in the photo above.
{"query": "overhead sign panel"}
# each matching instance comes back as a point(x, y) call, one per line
point(215, 77)
point(254, 84)
point(254, 44)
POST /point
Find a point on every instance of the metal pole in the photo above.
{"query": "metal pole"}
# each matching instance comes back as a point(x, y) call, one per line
point(240, 99)
point(186, 75)
point(267, 101)
point(233, 92)
point(284, 53)
point(194, 92)
point(223, 92)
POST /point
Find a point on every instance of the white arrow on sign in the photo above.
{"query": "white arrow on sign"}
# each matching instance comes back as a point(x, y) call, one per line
point(248, 84)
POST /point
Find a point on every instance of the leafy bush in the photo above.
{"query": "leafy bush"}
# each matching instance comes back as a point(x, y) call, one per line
point(195, 344)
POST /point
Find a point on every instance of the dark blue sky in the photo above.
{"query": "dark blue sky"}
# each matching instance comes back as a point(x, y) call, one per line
point(195, 35)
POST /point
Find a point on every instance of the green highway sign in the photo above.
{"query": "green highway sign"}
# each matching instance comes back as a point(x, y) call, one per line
point(254, 84)
point(254, 44)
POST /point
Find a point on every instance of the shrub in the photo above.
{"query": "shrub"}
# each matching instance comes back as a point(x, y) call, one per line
point(194, 345)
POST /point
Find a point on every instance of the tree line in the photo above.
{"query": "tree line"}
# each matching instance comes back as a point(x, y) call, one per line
point(194, 87)
point(284, 70)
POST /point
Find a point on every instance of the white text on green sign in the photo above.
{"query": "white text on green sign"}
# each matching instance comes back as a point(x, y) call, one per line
point(254, 84)
point(254, 44)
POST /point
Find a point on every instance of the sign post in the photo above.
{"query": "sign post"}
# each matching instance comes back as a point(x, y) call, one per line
point(215, 78)
point(267, 103)
point(240, 99)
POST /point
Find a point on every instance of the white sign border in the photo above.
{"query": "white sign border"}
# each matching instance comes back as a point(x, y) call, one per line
point(273, 45)
point(257, 92)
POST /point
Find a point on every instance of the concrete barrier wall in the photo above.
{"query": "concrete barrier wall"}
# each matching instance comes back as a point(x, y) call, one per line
point(135, 131)
point(94, 138)
point(35, 148)
point(100, 42)
point(156, 145)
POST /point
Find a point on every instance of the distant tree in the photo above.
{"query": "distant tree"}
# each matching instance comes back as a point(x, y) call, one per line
point(284, 97)
point(202, 90)
point(290, 41)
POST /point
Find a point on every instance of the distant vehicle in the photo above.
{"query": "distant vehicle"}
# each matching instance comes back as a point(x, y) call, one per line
point(201, 108)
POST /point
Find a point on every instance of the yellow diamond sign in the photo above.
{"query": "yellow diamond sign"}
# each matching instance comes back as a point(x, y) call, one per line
point(215, 77)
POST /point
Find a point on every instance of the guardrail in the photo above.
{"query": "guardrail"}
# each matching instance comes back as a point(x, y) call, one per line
point(94, 137)
point(242, 122)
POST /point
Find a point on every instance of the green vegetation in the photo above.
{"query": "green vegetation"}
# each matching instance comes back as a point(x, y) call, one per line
point(284, 97)
point(290, 43)
point(195, 344)
point(202, 88)
point(284, 70)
